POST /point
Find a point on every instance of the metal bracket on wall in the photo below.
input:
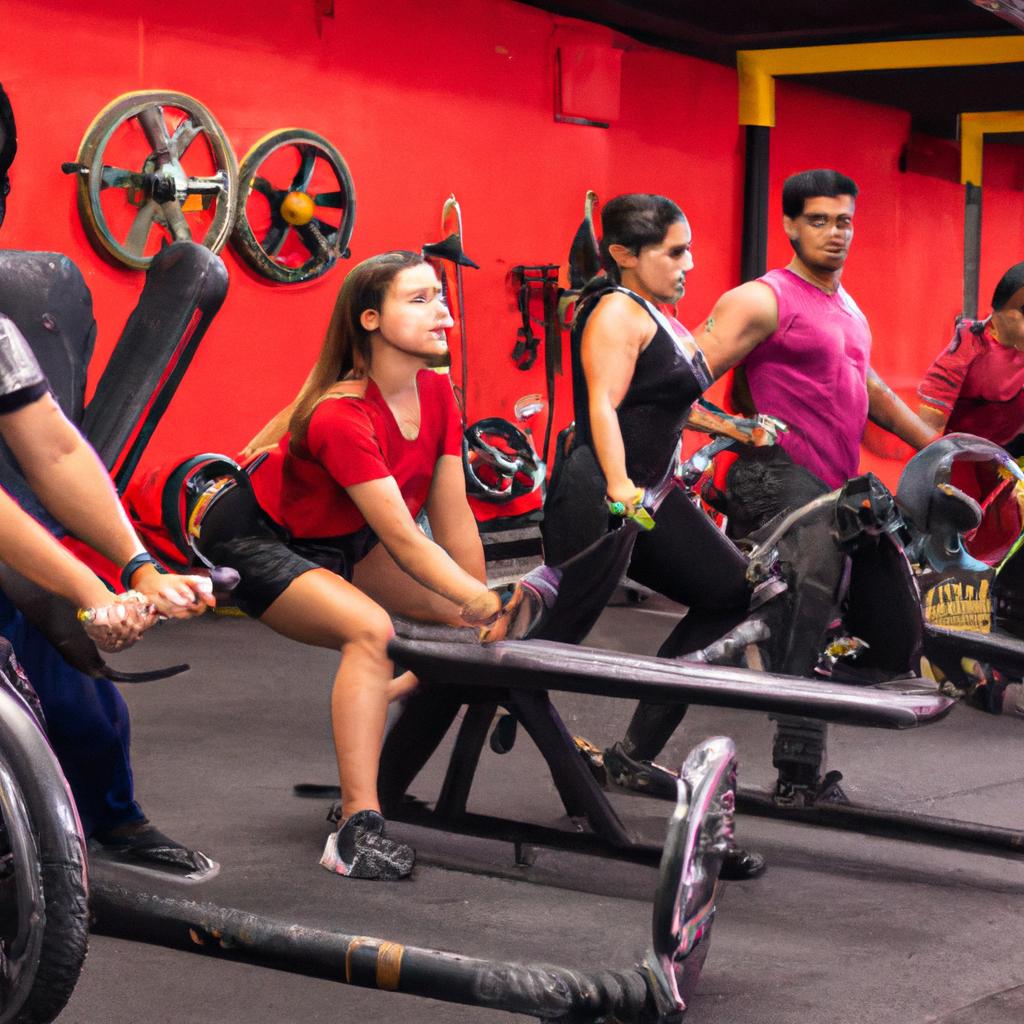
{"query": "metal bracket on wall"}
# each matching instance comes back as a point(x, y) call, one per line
point(973, 127)
point(758, 69)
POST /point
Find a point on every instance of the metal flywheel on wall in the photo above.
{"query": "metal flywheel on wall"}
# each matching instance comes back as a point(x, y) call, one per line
point(297, 206)
point(142, 177)
point(156, 166)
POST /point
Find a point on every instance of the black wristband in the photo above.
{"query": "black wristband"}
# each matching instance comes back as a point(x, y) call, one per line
point(142, 558)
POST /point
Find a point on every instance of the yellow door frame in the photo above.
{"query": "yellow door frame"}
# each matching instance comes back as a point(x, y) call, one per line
point(758, 69)
point(973, 129)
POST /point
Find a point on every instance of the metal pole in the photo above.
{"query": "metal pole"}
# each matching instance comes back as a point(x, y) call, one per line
point(970, 836)
point(972, 248)
point(546, 992)
point(754, 256)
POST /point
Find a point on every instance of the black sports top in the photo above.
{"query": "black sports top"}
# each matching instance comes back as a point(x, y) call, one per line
point(667, 380)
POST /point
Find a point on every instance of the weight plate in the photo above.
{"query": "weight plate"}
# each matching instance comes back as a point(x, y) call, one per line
point(699, 833)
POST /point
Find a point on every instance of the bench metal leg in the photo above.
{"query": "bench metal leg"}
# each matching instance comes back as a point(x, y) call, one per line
point(426, 718)
point(580, 793)
point(469, 743)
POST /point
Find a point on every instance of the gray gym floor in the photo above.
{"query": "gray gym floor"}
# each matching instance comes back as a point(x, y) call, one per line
point(842, 929)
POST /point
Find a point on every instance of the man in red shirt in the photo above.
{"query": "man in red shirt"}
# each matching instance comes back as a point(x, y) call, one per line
point(976, 384)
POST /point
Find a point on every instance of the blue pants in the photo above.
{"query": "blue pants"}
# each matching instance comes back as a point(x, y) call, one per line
point(87, 725)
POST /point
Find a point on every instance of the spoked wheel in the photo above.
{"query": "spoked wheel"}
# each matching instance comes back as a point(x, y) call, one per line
point(44, 921)
point(143, 177)
point(297, 209)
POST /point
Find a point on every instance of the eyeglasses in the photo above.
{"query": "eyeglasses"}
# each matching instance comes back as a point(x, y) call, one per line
point(820, 221)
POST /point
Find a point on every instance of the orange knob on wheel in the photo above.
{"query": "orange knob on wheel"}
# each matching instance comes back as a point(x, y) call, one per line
point(295, 229)
point(297, 208)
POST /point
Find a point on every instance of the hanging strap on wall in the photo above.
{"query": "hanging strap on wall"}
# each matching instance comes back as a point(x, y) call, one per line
point(539, 283)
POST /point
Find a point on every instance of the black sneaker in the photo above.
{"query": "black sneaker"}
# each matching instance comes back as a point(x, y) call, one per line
point(739, 864)
point(142, 846)
point(639, 776)
point(359, 849)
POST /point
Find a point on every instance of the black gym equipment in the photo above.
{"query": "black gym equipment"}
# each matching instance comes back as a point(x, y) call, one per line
point(499, 461)
point(185, 287)
point(564, 602)
point(44, 920)
point(859, 524)
point(46, 295)
point(316, 206)
point(657, 990)
point(185, 193)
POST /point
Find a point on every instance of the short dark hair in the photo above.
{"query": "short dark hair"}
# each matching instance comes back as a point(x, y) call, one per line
point(798, 188)
point(1009, 284)
point(635, 220)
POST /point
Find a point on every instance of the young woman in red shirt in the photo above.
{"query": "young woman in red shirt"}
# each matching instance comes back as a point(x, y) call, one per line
point(372, 438)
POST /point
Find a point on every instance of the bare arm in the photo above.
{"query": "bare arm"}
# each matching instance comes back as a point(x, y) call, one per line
point(612, 341)
point(891, 413)
point(71, 482)
point(384, 509)
point(30, 550)
point(451, 519)
point(741, 319)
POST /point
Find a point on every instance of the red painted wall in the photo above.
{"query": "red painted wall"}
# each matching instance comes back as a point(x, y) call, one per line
point(423, 100)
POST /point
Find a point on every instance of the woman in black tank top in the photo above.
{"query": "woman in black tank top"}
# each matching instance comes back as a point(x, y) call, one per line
point(636, 373)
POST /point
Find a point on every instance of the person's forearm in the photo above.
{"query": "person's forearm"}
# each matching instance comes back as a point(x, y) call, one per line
point(462, 542)
point(432, 566)
point(889, 411)
point(608, 446)
point(30, 550)
point(74, 487)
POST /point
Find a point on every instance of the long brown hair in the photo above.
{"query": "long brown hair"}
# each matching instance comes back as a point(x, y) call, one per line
point(345, 354)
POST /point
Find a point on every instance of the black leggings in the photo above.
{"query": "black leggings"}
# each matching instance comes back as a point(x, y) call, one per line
point(685, 557)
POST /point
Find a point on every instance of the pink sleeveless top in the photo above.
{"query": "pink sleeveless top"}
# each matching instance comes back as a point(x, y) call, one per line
point(811, 373)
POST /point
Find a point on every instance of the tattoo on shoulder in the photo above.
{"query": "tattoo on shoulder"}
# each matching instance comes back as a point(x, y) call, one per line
point(709, 325)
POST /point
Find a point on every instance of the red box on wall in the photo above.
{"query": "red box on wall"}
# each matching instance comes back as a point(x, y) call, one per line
point(588, 79)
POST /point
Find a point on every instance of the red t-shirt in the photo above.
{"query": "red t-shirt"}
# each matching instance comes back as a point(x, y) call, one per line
point(351, 441)
point(979, 384)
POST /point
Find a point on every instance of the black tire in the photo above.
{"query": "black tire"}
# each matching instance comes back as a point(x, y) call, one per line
point(44, 918)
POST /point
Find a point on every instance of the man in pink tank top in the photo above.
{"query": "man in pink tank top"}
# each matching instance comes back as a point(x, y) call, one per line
point(804, 345)
point(806, 350)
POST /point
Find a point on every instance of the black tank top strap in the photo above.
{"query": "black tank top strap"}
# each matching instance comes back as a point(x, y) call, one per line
point(666, 381)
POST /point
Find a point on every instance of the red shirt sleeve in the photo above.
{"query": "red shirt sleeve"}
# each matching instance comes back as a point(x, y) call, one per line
point(943, 380)
point(343, 439)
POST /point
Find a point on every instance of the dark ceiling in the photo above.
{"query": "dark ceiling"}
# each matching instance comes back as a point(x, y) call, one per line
point(716, 30)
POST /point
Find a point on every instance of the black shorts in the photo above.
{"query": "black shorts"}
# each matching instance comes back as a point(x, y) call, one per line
point(237, 533)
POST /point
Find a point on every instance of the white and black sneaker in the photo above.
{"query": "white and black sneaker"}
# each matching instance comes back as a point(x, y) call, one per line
point(359, 849)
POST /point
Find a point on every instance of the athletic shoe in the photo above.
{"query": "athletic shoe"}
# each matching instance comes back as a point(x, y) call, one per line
point(141, 845)
point(359, 849)
point(740, 864)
